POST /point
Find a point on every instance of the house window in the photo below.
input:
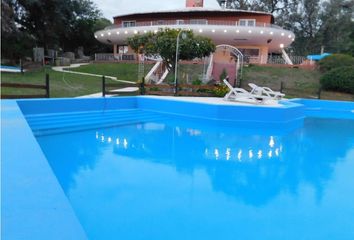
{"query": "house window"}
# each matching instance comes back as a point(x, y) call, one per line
point(123, 49)
point(179, 22)
point(128, 23)
point(247, 22)
point(158, 22)
point(199, 21)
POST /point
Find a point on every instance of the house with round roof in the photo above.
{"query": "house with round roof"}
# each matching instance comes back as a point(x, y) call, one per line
point(252, 32)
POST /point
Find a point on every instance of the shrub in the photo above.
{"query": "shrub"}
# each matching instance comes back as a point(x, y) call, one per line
point(221, 90)
point(339, 79)
point(223, 74)
point(154, 89)
point(334, 61)
point(197, 82)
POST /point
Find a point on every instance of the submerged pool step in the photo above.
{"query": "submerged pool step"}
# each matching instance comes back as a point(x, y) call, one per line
point(94, 121)
point(97, 120)
point(74, 114)
point(72, 117)
point(78, 119)
point(88, 126)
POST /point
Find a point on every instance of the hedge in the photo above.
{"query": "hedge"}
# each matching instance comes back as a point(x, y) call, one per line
point(339, 79)
point(334, 61)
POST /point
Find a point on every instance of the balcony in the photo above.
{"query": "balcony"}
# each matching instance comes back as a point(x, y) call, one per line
point(165, 23)
point(249, 33)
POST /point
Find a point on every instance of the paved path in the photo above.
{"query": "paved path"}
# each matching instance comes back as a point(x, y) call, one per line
point(62, 69)
point(99, 94)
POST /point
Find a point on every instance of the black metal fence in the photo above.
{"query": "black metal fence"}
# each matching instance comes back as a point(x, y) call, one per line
point(160, 89)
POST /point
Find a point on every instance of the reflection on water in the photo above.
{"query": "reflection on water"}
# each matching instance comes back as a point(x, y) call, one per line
point(246, 166)
point(237, 150)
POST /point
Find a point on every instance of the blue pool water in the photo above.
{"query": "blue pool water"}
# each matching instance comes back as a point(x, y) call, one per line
point(4, 68)
point(153, 176)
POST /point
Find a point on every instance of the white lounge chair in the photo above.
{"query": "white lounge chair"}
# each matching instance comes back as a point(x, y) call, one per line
point(265, 91)
point(241, 95)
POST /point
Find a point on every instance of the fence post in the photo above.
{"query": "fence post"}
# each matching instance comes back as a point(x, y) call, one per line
point(176, 87)
point(47, 85)
point(319, 92)
point(103, 86)
point(21, 66)
point(281, 87)
point(142, 86)
point(240, 82)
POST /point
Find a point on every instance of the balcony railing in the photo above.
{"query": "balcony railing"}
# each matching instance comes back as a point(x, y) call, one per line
point(112, 57)
point(193, 22)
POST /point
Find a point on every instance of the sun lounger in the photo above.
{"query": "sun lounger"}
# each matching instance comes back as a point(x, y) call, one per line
point(241, 95)
point(265, 91)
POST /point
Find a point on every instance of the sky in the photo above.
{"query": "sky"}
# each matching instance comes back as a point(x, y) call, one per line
point(112, 8)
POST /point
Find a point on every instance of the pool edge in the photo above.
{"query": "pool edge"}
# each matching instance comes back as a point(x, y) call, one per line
point(34, 205)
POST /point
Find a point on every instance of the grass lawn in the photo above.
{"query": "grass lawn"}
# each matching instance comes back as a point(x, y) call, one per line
point(61, 84)
point(68, 84)
point(123, 71)
point(297, 82)
point(301, 83)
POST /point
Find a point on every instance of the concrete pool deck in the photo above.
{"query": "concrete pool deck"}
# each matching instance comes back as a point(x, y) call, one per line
point(217, 101)
point(207, 100)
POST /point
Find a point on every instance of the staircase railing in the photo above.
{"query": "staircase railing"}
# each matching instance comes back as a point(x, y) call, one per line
point(286, 57)
point(209, 70)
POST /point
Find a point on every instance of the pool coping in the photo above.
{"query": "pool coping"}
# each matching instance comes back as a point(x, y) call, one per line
point(34, 205)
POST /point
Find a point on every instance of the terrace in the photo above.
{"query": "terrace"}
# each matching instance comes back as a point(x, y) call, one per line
point(221, 32)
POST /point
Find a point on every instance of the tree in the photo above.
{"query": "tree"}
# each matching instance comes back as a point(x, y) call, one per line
point(305, 22)
point(14, 43)
point(338, 28)
point(56, 24)
point(316, 23)
point(236, 4)
point(163, 43)
point(271, 6)
point(82, 34)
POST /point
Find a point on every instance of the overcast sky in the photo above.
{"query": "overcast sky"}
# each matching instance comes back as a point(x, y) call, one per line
point(112, 8)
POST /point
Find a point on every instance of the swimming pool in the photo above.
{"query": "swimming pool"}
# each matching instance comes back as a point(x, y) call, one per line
point(12, 69)
point(155, 168)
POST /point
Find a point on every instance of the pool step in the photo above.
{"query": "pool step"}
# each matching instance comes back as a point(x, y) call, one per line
point(78, 119)
point(96, 122)
point(74, 114)
point(57, 123)
point(51, 131)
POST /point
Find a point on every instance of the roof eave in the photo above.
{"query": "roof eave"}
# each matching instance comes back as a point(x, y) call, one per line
point(196, 10)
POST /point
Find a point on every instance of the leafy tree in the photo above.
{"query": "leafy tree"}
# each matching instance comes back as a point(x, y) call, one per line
point(305, 22)
point(237, 4)
point(7, 18)
point(271, 6)
point(338, 28)
point(15, 44)
point(163, 43)
point(57, 24)
point(316, 23)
